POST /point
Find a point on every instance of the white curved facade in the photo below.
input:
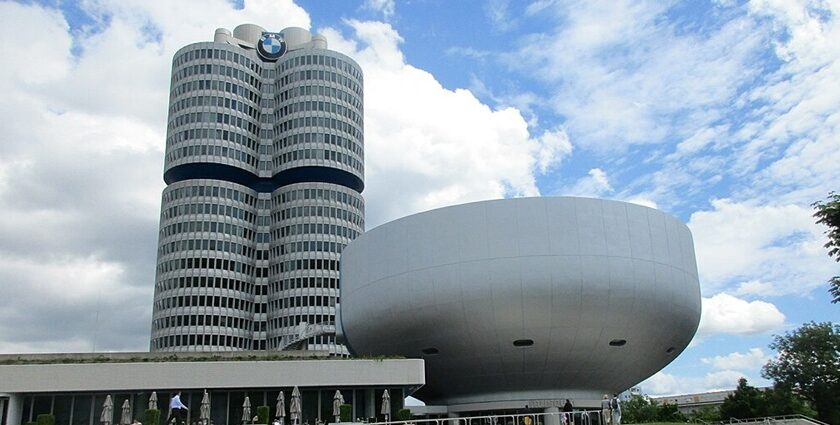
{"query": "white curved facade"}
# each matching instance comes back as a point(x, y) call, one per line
point(524, 299)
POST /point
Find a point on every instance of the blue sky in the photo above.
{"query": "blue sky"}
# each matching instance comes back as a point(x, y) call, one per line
point(723, 113)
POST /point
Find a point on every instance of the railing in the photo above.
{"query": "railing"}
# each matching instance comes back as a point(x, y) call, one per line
point(577, 417)
point(772, 420)
point(306, 332)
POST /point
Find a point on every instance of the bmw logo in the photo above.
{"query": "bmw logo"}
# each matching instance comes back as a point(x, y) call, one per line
point(271, 46)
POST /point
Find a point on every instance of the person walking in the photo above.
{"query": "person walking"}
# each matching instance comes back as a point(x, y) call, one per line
point(568, 416)
point(606, 413)
point(177, 410)
point(615, 407)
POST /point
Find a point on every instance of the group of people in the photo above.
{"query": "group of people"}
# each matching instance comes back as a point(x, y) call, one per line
point(611, 410)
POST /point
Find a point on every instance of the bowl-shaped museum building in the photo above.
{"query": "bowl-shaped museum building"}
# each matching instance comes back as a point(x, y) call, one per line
point(527, 300)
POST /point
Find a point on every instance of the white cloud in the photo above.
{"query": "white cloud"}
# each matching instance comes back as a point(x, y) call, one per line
point(665, 384)
point(81, 152)
point(726, 314)
point(752, 360)
point(769, 250)
point(386, 7)
point(595, 184)
point(428, 146)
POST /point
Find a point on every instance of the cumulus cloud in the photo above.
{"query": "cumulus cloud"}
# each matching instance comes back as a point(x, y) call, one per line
point(385, 7)
point(81, 153)
point(428, 146)
point(595, 184)
point(665, 384)
point(751, 360)
point(771, 250)
point(726, 314)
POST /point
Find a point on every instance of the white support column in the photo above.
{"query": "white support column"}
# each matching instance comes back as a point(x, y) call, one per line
point(370, 405)
point(454, 418)
point(14, 411)
point(552, 417)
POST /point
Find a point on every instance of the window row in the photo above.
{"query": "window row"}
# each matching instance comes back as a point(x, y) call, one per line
point(331, 123)
point(226, 283)
point(206, 226)
point(330, 139)
point(215, 69)
point(319, 75)
point(220, 119)
point(330, 61)
point(306, 301)
point(221, 54)
point(304, 283)
point(205, 245)
point(209, 208)
point(209, 301)
point(311, 246)
point(214, 191)
point(203, 339)
point(321, 90)
point(203, 320)
point(319, 211)
point(217, 85)
point(304, 264)
point(206, 264)
point(314, 228)
point(319, 106)
point(213, 134)
point(318, 194)
point(323, 154)
point(213, 102)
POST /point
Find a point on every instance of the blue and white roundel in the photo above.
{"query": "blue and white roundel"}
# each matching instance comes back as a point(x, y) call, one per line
point(271, 45)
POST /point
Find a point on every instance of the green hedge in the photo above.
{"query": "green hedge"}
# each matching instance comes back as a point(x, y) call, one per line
point(45, 420)
point(151, 417)
point(403, 415)
point(346, 413)
point(263, 414)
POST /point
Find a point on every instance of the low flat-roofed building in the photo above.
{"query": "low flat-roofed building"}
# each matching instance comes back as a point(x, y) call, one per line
point(73, 387)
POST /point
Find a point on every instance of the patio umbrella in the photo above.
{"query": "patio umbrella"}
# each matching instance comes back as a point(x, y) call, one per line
point(281, 407)
point(386, 405)
point(204, 411)
point(107, 416)
point(153, 401)
point(338, 400)
point(125, 416)
point(295, 408)
point(246, 410)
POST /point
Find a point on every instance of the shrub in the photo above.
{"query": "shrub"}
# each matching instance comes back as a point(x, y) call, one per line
point(346, 413)
point(263, 414)
point(403, 415)
point(45, 420)
point(151, 417)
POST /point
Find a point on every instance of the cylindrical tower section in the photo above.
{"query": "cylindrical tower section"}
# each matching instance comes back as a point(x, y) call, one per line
point(205, 282)
point(318, 208)
point(213, 126)
point(204, 287)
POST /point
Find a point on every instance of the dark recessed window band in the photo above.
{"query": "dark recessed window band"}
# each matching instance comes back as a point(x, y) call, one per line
point(205, 170)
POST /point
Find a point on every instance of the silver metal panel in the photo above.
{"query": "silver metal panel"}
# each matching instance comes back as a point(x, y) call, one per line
point(569, 274)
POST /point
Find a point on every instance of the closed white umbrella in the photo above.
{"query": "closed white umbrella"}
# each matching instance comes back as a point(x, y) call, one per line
point(107, 416)
point(338, 400)
point(153, 401)
point(125, 416)
point(281, 407)
point(246, 410)
point(386, 405)
point(295, 409)
point(204, 411)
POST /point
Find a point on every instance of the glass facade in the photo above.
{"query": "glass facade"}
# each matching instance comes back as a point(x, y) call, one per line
point(225, 405)
point(264, 168)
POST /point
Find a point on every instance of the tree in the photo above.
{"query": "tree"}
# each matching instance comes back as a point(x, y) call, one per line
point(640, 409)
point(828, 213)
point(744, 403)
point(809, 365)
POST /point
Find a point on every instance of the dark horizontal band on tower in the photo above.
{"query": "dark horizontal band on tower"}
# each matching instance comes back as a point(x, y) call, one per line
point(206, 170)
